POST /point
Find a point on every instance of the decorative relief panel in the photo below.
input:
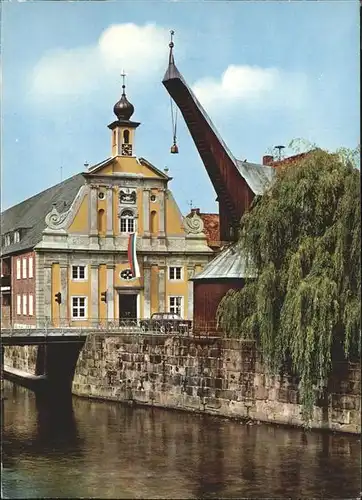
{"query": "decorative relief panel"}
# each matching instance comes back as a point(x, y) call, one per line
point(127, 196)
point(55, 220)
point(193, 224)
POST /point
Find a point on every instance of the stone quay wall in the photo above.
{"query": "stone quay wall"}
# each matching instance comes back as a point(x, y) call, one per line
point(217, 376)
point(22, 358)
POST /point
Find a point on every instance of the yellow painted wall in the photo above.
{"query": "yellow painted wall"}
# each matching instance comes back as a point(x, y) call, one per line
point(129, 165)
point(173, 218)
point(55, 288)
point(124, 283)
point(177, 288)
point(82, 289)
point(80, 221)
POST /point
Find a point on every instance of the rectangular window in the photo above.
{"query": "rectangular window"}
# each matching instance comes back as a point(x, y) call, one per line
point(24, 305)
point(7, 240)
point(24, 268)
point(175, 305)
point(18, 305)
point(79, 307)
point(79, 273)
point(18, 269)
point(16, 237)
point(31, 271)
point(31, 305)
point(127, 225)
point(175, 273)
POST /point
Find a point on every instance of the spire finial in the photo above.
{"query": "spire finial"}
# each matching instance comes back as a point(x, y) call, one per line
point(123, 75)
point(123, 109)
point(171, 45)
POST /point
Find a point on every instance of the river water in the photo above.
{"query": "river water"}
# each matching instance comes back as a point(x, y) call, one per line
point(91, 449)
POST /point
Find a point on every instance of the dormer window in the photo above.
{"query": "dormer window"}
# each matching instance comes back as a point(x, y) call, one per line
point(127, 222)
point(16, 236)
point(7, 240)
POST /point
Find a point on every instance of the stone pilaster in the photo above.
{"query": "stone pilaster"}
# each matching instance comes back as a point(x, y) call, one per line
point(162, 288)
point(162, 215)
point(110, 291)
point(146, 212)
point(190, 292)
point(109, 197)
point(146, 291)
point(47, 293)
point(64, 316)
point(94, 293)
point(93, 211)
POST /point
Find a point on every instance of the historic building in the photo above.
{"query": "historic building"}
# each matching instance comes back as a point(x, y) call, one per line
point(108, 243)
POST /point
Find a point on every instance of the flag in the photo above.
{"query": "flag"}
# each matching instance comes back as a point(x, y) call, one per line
point(132, 255)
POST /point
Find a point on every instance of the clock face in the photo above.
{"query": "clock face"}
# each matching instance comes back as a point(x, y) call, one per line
point(127, 149)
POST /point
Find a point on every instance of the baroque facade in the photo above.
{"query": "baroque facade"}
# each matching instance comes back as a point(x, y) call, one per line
point(65, 252)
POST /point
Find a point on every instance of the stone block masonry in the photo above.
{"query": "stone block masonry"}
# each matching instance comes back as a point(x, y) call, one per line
point(217, 376)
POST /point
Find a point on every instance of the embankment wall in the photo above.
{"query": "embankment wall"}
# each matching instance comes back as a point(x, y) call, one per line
point(217, 376)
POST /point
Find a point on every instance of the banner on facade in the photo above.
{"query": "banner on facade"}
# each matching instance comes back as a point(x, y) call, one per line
point(132, 255)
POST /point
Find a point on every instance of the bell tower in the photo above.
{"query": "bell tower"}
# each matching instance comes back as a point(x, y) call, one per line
point(123, 129)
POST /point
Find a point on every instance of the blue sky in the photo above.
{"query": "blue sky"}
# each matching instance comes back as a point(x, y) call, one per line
point(266, 72)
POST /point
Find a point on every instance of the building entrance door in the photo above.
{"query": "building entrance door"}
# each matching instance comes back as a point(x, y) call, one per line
point(127, 306)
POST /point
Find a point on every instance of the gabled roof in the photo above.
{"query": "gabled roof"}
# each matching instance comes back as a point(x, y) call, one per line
point(98, 166)
point(30, 214)
point(228, 264)
point(255, 175)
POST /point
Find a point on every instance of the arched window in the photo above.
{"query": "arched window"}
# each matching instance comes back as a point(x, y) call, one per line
point(126, 137)
point(153, 222)
point(127, 222)
point(101, 222)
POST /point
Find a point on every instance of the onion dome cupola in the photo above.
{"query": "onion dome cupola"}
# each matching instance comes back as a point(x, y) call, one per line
point(123, 109)
point(123, 129)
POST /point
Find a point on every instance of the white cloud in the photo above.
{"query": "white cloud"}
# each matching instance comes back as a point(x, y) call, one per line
point(252, 87)
point(140, 50)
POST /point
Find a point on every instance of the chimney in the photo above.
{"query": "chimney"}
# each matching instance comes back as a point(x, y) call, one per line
point(195, 211)
point(268, 160)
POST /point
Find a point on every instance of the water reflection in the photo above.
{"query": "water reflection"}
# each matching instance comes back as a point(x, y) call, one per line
point(105, 450)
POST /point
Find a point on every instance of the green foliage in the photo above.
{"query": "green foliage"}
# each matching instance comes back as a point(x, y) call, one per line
point(301, 241)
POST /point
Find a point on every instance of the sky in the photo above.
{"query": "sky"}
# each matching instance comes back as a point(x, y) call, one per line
point(266, 72)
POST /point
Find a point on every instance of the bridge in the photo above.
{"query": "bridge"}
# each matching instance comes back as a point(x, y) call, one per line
point(59, 346)
point(39, 336)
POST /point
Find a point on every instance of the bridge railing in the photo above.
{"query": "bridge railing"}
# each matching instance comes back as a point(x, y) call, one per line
point(119, 326)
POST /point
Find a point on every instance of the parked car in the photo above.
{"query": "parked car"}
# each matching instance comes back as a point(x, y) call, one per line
point(166, 322)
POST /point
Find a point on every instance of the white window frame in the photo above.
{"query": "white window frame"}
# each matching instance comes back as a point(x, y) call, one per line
point(25, 305)
point(127, 219)
point(76, 298)
point(171, 308)
point(24, 267)
point(18, 269)
point(31, 305)
point(172, 271)
point(78, 266)
point(31, 268)
point(7, 240)
point(16, 236)
point(18, 305)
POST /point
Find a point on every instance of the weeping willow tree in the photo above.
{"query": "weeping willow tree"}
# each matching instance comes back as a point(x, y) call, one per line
point(301, 242)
